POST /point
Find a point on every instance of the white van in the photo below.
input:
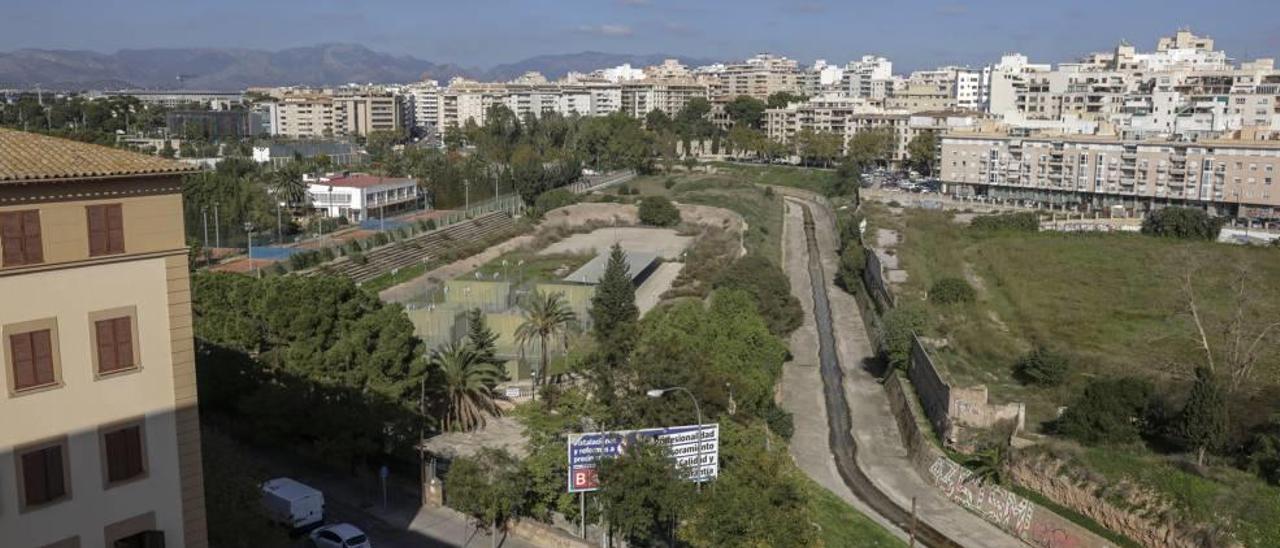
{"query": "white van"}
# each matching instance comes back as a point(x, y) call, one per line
point(292, 504)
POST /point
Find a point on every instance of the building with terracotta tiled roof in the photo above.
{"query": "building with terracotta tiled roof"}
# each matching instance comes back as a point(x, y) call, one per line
point(100, 441)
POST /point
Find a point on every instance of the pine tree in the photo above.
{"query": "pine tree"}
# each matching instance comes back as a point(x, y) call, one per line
point(613, 308)
point(480, 337)
point(1203, 424)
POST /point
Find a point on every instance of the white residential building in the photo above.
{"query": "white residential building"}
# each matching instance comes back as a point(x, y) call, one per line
point(359, 196)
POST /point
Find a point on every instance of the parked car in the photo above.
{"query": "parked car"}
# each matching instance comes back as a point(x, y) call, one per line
point(292, 504)
point(342, 535)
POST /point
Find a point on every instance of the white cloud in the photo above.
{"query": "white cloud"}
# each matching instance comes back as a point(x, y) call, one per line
point(606, 30)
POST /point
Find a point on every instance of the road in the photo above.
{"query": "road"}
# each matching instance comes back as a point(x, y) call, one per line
point(858, 452)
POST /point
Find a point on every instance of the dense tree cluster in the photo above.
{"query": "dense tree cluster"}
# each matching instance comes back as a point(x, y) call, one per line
point(1187, 223)
point(658, 211)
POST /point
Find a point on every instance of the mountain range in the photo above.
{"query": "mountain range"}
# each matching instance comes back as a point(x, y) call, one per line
point(236, 68)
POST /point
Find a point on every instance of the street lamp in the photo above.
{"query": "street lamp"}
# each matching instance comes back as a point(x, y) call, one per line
point(658, 393)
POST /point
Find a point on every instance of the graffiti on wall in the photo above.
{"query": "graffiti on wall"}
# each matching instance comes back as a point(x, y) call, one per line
point(994, 503)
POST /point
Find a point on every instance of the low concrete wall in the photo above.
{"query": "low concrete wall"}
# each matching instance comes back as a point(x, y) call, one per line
point(1030, 522)
point(541, 534)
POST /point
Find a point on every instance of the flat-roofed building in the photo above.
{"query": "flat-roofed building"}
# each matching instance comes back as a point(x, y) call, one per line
point(1239, 176)
point(360, 196)
point(100, 443)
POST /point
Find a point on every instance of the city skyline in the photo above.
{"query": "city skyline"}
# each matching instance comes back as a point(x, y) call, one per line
point(916, 34)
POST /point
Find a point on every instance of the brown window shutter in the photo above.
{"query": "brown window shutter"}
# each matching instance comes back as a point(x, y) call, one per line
point(24, 367)
point(106, 345)
point(53, 472)
point(133, 454)
point(11, 238)
point(34, 477)
point(42, 351)
point(124, 342)
point(97, 217)
point(31, 231)
point(115, 229)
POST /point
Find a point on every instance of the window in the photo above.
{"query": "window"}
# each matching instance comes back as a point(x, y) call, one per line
point(32, 360)
point(20, 237)
point(113, 339)
point(43, 474)
point(123, 454)
point(106, 229)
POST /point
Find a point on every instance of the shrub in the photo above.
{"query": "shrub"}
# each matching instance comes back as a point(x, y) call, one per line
point(658, 211)
point(853, 261)
point(771, 289)
point(669, 184)
point(768, 192)
point(894, 203)
point(359, 258)
point(1025, 221)
point(951, 291)
point(1187, 223)
point(553, 199)
point(1109, 411)
point(624, 190)
point(900, 324)
point(1042, 367)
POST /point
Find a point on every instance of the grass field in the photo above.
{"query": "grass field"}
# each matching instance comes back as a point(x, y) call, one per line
point(814, 180)
point(1112, 303)
point(842, 525)
point(761, 210)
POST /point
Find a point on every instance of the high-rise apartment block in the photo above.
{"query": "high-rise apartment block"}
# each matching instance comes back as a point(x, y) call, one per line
point(101, 438)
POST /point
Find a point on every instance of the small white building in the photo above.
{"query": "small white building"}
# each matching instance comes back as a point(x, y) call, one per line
point(360, 196)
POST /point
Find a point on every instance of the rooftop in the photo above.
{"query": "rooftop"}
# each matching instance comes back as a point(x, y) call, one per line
point(31, 157)
point(591, 272)
point(363, 180)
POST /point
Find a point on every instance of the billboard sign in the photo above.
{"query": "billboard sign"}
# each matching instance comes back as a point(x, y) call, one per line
point(696, 454)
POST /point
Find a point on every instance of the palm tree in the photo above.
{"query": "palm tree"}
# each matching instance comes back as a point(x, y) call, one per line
point(545, 316)
point(468, 384)
point(989, 464)
point(287, 185)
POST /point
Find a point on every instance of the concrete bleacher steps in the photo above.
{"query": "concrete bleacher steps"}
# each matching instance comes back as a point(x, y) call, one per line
point(419, 248)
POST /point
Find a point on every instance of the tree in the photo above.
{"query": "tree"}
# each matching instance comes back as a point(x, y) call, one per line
point(1042, 367)
point(546, 315)
point(759, 499)
point(899, 328)
point(614, 315)
point(1202, 425)
point(658, 211)
point(1187, 223)
point(657, 121)
point(770, 288)
point(1108, 411)
point(642, 493)
point(487, 487)
point(1239, 338)
point(481, 339)
point(467, 383)
point(781, 99)
point(746, 111)
point(870, 148)
point(922, 152)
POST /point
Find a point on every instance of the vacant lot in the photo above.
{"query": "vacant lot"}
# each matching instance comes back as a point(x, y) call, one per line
point(1115, 305)
point(1114, 302)
point(736, 192)
point(662, 241)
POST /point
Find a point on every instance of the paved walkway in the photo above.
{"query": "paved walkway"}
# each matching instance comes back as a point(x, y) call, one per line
point(881, 454)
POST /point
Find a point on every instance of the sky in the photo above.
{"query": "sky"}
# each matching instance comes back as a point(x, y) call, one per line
point(481, 33)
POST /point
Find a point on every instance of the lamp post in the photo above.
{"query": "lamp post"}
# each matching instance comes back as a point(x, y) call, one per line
point(248, 228)
point(658, 393)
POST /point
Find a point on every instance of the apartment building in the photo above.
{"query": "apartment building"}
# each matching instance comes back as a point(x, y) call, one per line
point(1238, 176)
point(759, 77)
point(867, 77)
point(361, 111)
point(303, 115)
point(422, 104)
point(639, 97)
point(101, 438)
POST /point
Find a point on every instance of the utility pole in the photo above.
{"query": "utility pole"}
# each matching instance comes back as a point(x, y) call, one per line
point(217, 227)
